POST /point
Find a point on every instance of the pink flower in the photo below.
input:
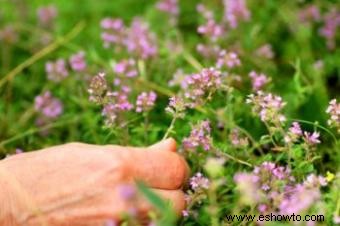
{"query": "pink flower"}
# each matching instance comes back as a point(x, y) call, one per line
point(168, 6)
point(228, 59)
point(333, 110)
point(199, 137)
point(211, 29)
point(126, 67)
point(48, 106)
point(113, 31)
point(140, 41)
point(209, 50)
point(56, 71)
point(47, 14)
point(185, 213)
point(258, 80)
point(265, 51)
point(310, 13)
point(97, 88)
point(145, 101)
point(77, 61)
point(196, 86)
point(294, 133)
point(331, 24)
point(198, 181)
point(235, 11)
point(311, 139)
point(267, 106)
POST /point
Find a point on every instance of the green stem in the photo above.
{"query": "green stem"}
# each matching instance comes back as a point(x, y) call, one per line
point(45, 51)
point(170, 128)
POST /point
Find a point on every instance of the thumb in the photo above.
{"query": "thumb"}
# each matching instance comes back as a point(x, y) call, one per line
point(164, 145)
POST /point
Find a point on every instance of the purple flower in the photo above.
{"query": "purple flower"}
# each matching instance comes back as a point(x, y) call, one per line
point(126, 67)
point(199, 137)
point(198, 182)
point(113, 31)
point(294, 133)
point(237, 140)
point(331, 24)
point(117, 102)
point(56, 71)
point(310, 13)
point(97, 88)
point(333, 110)
point(313, 181)
point(299, 200)
point(176, 106)
point(267, 106)
point(197, 86)
point(47, 14)
point(228, 59)
point(185, 213)
point(248, 186)
point(235, 11)
point(48, 106)
point(168, 6)
point(211, 29)
point(145, 101)
point(258, 80)
point(265, 51)
point(311, 139)
point(209, 50)
point(78, 62)
point(140, 41)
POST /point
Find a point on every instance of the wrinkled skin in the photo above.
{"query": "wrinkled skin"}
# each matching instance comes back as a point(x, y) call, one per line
point(80, 184)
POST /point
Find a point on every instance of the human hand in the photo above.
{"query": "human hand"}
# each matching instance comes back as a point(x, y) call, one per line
point(81, 184)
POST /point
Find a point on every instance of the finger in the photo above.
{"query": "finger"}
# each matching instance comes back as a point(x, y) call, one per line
point(158, 169)
point(164, 145)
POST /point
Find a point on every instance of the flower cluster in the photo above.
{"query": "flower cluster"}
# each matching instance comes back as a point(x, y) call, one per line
point(198, 184)
point(199, 137)
point(310, 13)
point(235, 11)
point(176, 106)
point(47, 14)
point(197, 86)
point(170, 7)
point(113, 31)
point(198, 181)
point(295, 133)
point(334, 112)
point(258, 80)
point(228, 59)
point(331, 24)
point(77, 61)
point(208, 50)
point(136, 39)
point(268, 107)
point(237, 140)
point(211, 29)
point(48, 108)
point(273, 189)
point(56, 71)
point(145, 101)
point(265, 51)
point(126, 67)
point(115, 99)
